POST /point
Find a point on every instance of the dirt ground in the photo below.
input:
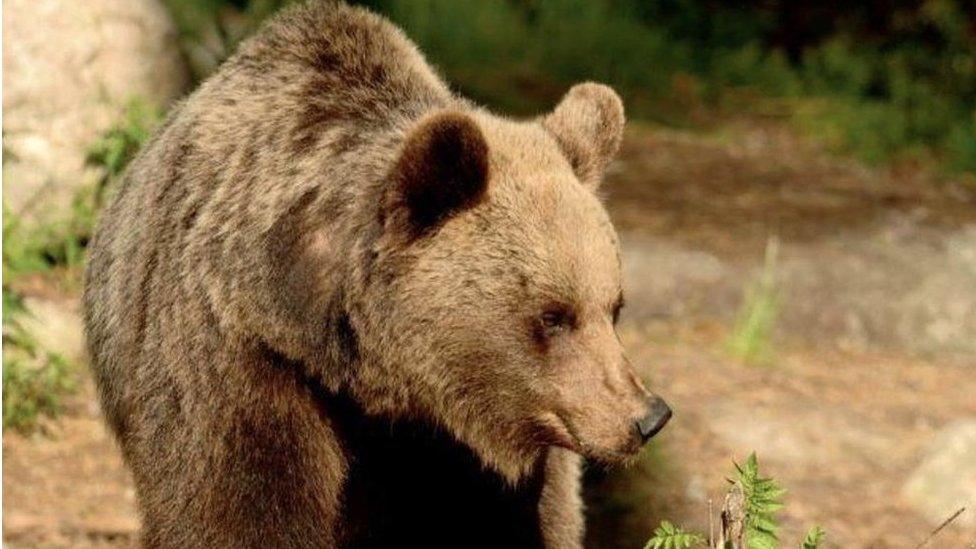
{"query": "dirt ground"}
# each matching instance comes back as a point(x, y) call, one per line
point(874, 350)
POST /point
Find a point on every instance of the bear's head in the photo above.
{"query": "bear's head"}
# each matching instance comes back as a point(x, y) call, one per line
point(495, 288)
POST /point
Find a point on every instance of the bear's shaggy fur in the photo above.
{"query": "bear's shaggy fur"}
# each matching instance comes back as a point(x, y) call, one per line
point(333, 304)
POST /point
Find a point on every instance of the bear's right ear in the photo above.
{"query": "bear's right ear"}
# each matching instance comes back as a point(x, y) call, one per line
point(442, 169)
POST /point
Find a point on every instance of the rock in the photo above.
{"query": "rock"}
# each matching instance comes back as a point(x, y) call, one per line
point(668, 281)
point(56, 326)
point(17, 524)
point(800, 436)
point(946, 478)
point(69, 68)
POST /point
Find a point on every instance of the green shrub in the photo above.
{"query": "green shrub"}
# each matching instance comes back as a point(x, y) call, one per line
point(834, 69)
point(483, 46)
point(961, 145)
point(34, 379)
point(753, 67)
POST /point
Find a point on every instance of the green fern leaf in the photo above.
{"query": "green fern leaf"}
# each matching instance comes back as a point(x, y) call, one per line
point(762, 541)
point(669, 536)
point(763, 499)
point(814, 537)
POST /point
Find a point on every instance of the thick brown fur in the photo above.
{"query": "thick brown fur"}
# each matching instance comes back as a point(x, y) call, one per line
point(314, 306)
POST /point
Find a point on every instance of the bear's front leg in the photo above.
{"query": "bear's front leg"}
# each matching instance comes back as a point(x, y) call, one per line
point(561, 504)
point(270, 474)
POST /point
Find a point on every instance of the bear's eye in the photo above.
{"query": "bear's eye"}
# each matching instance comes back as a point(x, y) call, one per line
point(557, 320)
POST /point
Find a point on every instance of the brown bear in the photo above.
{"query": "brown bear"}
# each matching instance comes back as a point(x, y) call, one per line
point(335, 305)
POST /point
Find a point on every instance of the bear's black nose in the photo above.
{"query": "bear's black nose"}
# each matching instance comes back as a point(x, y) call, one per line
point(657, 416)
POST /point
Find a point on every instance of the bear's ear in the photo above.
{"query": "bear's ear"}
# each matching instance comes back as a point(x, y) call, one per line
point(588, 124)
point(442, 169)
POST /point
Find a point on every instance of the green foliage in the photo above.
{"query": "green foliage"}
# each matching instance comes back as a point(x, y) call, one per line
point(669, 536)
point(961, 146)
point(753, 67)
point(211, 29)
point(882, 102)
point(751, 337)
point(20, 255)
point(118, 145)
point(763, 500)
point(910, 91)
point(113, 151)
point(520, 56)
point(877, 81)
point(482, 45)
point(814, 538)
point(29, 249)
point(760, 499)
point(39, 248)
point(34, 380)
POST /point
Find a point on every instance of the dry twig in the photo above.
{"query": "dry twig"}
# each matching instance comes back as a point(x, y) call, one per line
point(941, 527)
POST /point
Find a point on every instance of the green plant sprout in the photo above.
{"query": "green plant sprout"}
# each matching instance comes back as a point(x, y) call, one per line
point(751, 339)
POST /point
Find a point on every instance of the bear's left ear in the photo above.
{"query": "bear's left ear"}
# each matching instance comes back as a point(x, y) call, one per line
point(442, 169)
point(588, 124)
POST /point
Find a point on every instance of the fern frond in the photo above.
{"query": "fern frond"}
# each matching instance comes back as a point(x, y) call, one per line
point(814, 537)
point(669, 536)
point(763, 499)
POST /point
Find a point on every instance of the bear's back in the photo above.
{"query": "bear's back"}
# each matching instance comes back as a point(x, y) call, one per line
point(301, 116)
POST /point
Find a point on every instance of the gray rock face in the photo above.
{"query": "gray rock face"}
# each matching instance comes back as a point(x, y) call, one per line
point(900, 286)
point(69, 67)
point(946, 478)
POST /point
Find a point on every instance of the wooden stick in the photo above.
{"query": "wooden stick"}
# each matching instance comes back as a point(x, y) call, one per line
point(711, 525)
point(945, 523)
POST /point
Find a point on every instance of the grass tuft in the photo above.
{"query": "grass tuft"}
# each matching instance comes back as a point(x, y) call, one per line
point(751, 339)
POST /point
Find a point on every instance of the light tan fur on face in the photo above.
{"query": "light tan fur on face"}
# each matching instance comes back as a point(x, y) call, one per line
point(263, 259)
point(539, 238)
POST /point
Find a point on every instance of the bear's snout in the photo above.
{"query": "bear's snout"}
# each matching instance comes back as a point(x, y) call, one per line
point(655, 418)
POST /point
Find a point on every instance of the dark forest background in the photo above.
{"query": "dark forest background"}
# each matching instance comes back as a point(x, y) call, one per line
point(883, 79)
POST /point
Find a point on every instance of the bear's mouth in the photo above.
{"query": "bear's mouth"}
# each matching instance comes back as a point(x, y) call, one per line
point(576, 442)
point(559, 432)
point(563, 434)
